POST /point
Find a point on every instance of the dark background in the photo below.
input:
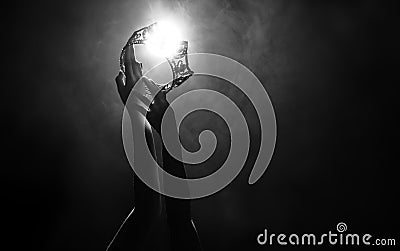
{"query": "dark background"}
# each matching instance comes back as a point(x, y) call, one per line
point(330, 68)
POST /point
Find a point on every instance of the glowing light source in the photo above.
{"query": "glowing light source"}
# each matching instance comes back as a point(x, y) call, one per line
point(164, 39)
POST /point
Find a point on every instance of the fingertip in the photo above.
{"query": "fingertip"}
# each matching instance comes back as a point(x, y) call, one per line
point(130, 52)
point(152, 85)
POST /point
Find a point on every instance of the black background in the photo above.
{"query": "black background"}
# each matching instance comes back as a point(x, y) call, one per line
point(330, 68)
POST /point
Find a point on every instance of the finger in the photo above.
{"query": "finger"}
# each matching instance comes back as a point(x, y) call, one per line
point(142, 91)
point(132, 67)
point(149, 90)
point(135, 65)
point(130, 78)
point(144, 100)
point(137, 69)
point(152, 86)
point(157, 95)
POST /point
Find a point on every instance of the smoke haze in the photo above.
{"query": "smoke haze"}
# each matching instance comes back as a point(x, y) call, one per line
point(326, 65)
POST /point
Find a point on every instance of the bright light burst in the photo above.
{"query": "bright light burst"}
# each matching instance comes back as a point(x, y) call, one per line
point(165, 39)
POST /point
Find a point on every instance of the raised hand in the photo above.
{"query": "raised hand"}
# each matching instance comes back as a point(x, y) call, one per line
point(128, 78)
